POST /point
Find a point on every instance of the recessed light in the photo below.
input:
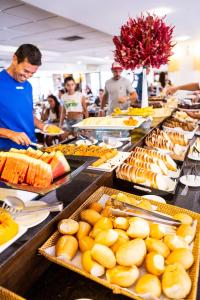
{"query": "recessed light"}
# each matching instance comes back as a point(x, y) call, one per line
point(182, 38)
point(160, 11)
point(79, 62)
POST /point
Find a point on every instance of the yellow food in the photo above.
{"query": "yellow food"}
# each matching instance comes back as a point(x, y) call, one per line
point(84, 229)
point(66, 247)
point(176, 283)
point(157, 246)
point(96, 206)
point(145, 204)
point(90, 215)
point(122, 239)
point(8, 227)
point(139, 228)
point(122, 276)
point(121, 223)
point(155, 263)
point(131, 253)
point(53, 129)
point(103, 223)
point(106, 237)
point(68, 226)
point(131, 122)
point(182, 256)
point(106, 212)
point(104, 256)
point(86, 243)
point(150, 284)
point(174, 241)
point(90, 265)
point(157, 231)
point(184, 218)
point(187, 232)
point(143, 112)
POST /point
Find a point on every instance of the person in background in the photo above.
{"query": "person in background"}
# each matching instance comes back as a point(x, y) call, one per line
point(99, 98)
point(53, 112)
point(17, 120)
point(194, 86)
point(118, 90)
point(74, 102)
point(88, 91)
point(60, 94)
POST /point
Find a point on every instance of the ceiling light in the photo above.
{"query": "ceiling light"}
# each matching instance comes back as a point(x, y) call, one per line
point(79, 62)
point(106, 57)
point(160, 11)
point(182, 38)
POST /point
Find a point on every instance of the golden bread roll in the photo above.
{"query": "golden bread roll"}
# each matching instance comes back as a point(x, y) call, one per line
point(66, 247)
point(184, 218)
point(90, 265)
point(155, 263)
point(106, 237)
point(90, 215)
point(122, 239)
point(96, 206)
point(176, 283)
point(86, 243)
point(103, 223)
point(68, 226)
point(148, 284)
point(182, 256)
point(106, 212)
point(157, 246)
point(84, 229)
point(104, 256)
point(174, 241)
point(131, 253)
point(138, 228)
point(187, 232)
point(157, 231)
point(121, 223)
point(122, 276)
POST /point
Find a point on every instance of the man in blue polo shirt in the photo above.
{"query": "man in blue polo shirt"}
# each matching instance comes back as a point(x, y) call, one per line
point(17, 122)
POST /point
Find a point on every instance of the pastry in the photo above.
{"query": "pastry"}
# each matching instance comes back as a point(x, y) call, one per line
point(84, 229)
point(181, 255)
point(90, 265)
point(68, 226)
point(139, 228)
point(90, 215)
point(106, 237)
point(155, 263)
point(66, 247)
point(122, 276)
point(86, 243)
point(104, 256)
point(157, 246)
point(148, 284)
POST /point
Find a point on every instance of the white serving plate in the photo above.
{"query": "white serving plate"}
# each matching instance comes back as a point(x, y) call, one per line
point(188, 134)
point(22, 230)
point(190, 180)
point(117, 145)
point(52, 134)
point(154, 198)
point(86, 142)
point(112, 163)
point(194, 156)
point(23, 195)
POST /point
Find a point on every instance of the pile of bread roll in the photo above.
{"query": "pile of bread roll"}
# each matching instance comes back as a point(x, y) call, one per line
point(130, 252)
point(148, 167)
point(166, 140)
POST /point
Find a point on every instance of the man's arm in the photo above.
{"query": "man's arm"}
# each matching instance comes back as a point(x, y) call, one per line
point(194, 86)
point(19, 138)
point(85, 110)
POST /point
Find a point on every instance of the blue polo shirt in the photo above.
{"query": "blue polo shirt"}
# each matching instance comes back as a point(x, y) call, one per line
point(16, 109)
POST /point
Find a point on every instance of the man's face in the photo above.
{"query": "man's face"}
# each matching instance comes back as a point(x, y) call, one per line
point(116, 73)
point(23, 70)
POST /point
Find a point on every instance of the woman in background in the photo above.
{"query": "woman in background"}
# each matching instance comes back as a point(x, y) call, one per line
point(74, 102)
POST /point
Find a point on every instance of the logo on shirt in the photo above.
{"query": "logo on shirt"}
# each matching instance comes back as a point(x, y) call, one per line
point(19, 87)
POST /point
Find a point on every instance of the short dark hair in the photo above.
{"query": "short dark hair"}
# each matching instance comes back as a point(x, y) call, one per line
point(69, 78)
point(29, 52)
point(62, 91)
point(101, 90)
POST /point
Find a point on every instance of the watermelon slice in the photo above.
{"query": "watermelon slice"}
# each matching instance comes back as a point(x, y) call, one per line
point(59, 165)
point(3, 158)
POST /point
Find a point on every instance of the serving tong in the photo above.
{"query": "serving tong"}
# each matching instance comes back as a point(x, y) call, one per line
point(119, 208)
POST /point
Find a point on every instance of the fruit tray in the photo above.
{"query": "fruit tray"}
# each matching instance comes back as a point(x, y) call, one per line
point(47, 250)
point(77, 165)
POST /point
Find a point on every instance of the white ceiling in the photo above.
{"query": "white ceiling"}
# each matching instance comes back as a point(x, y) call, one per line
point(45, 22)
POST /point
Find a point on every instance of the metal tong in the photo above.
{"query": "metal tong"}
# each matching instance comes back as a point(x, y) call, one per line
point(123, 209)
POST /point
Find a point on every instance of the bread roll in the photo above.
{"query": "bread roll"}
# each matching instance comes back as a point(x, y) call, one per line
point(106, 237)
point(122, 276)
point(155, 263)
point(182, 256)
point(157, 231)
point(66, 247)
point(148, 284)
point(174, 241)
point(68, 226)
point(139, 228)
point(90, 265)
point(122, 239)
point(104, 256)
point(96, 206)
point(184, 218)
point(86, 243)
point(103, 223)
point(131, 253)
point(157, 246)
point(121, 223)
point(84, 229)
point(90, 215)
point(176, 283)
point(187, 232)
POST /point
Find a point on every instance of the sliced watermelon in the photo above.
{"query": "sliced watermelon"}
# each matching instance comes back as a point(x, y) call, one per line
point(3, 158)
point(59, 165)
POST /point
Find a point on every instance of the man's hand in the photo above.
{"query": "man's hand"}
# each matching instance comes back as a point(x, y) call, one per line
point(122, 99)
point(19, 138)
point(171, 90)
